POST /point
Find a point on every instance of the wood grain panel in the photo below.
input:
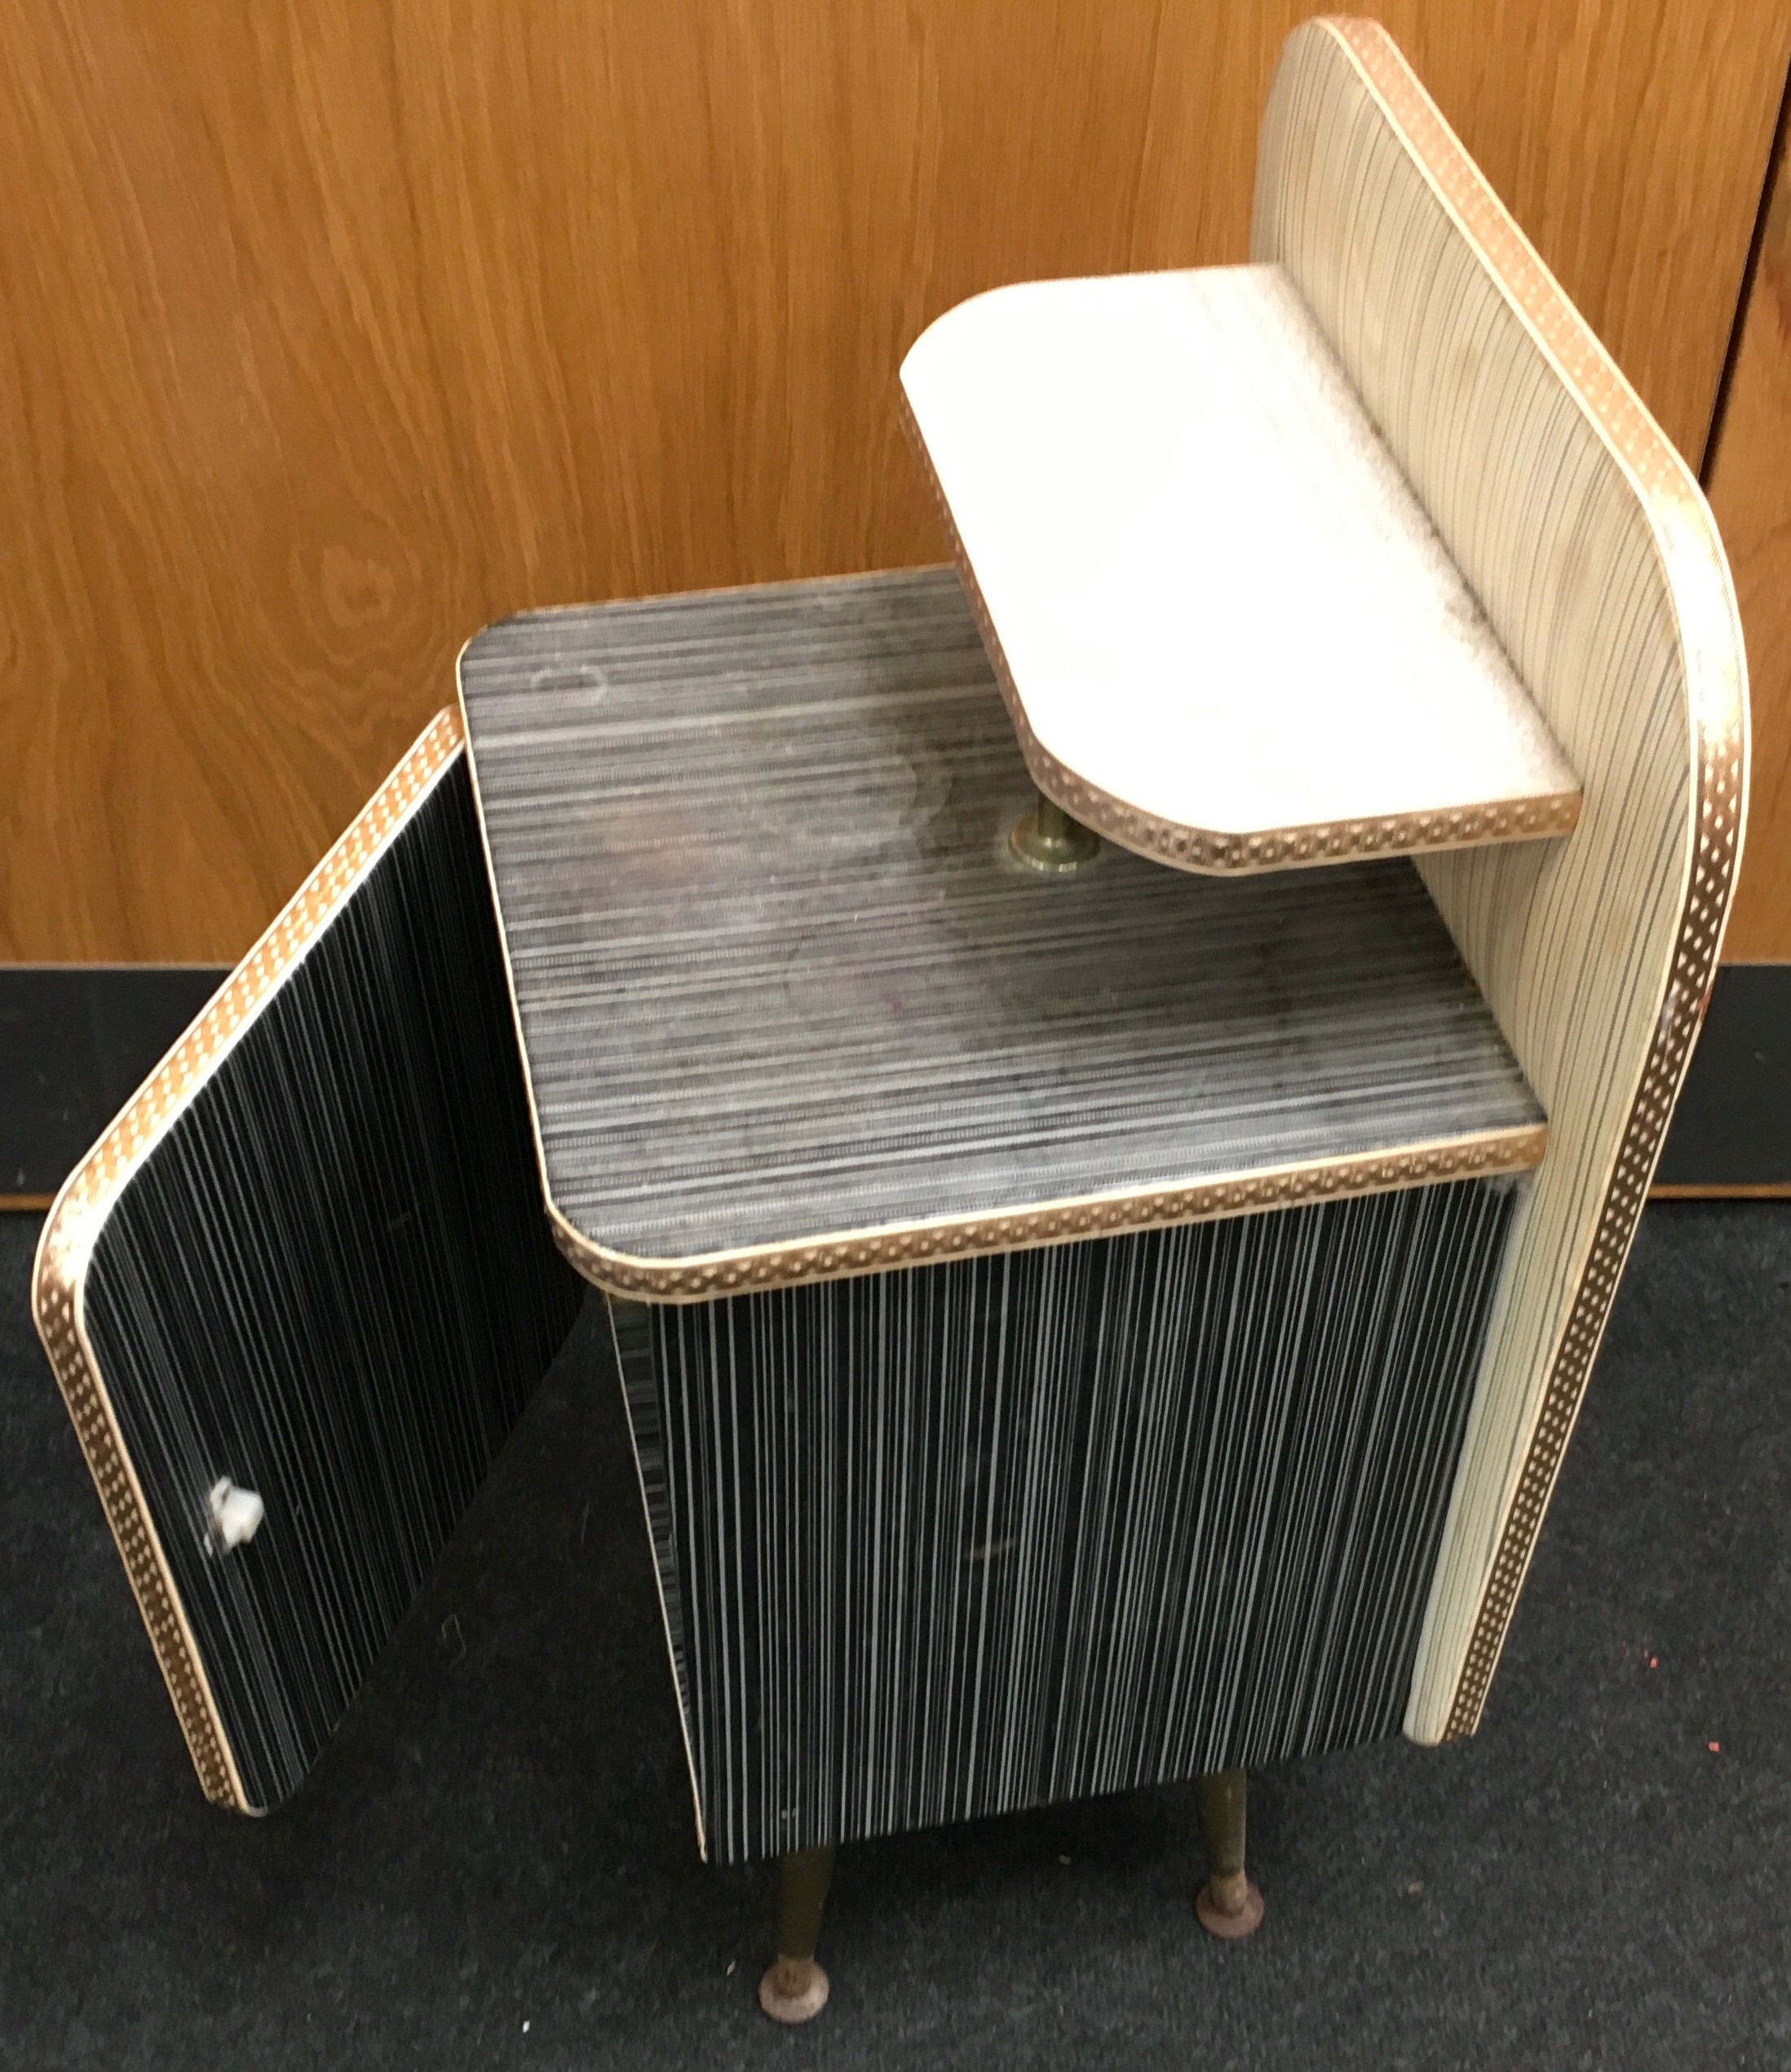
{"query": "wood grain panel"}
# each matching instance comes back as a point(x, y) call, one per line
point(335, 331)
point(1750, 491)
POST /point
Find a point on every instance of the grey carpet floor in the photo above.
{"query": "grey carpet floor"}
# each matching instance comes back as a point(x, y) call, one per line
point(494, 1864)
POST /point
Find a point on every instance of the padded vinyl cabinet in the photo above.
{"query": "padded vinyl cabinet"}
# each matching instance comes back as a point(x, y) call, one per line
point(1107, 1089)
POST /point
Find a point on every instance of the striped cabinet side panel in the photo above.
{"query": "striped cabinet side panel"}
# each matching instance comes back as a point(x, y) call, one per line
point(331, 1281)
point(986, 1535)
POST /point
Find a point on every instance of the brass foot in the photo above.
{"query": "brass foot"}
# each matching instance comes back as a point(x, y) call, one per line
point(1230, 1908)
point(1049, 840)
point(1227, 1905)
point(795, 1987)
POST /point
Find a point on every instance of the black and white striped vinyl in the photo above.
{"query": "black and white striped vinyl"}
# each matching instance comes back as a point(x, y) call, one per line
point(779, 978)
point(332, 1283)
point(987, 1534)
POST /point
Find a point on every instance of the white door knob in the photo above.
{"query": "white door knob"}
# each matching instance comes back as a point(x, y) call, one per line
point(236, 1513)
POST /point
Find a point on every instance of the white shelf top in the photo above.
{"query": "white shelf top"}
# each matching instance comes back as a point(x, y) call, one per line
point(1228, 634)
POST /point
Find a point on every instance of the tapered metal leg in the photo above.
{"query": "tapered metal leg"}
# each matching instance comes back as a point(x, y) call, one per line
point(795, 1988)
point(1049, 840)
point(1227, 1905)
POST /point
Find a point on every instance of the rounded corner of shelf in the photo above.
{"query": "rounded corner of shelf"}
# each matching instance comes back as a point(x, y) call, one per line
point(626, 1276)
point(476, 640)
point(970, 314)
point(461, 653)
point(491, 632)
point(1212, 851)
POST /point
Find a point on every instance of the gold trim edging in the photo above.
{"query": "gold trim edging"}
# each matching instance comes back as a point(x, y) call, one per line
point(1685, 538)
point(58, 1276)
point(972, 1237)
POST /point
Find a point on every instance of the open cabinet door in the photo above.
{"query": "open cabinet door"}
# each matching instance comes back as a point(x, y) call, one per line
point(299, 1293)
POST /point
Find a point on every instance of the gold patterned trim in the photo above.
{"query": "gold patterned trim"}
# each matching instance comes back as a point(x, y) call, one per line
point(1206, 850)
point(754, 1269)
point(58, 1277)
point(1703, 599)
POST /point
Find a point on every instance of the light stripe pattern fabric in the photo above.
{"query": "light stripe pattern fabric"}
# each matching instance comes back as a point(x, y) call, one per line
point(985, 1535)
point(331, 1283)
point(778, 977)
point(1590, 548)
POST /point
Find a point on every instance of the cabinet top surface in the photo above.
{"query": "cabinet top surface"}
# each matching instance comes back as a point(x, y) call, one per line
point(789, 1008)
point(1228, 632)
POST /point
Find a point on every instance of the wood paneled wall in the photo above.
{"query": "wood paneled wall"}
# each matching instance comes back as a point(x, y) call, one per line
point(333, 331)
point(1750, 480)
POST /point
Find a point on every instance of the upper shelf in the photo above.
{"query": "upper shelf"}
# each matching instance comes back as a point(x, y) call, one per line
point(1228, 636)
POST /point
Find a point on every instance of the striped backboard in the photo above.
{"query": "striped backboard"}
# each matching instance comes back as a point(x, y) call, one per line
point(299, 1294)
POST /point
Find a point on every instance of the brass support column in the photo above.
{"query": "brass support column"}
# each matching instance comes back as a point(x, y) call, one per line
point(795, 1987)
point(1049, 840)
point(1228, 1905)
